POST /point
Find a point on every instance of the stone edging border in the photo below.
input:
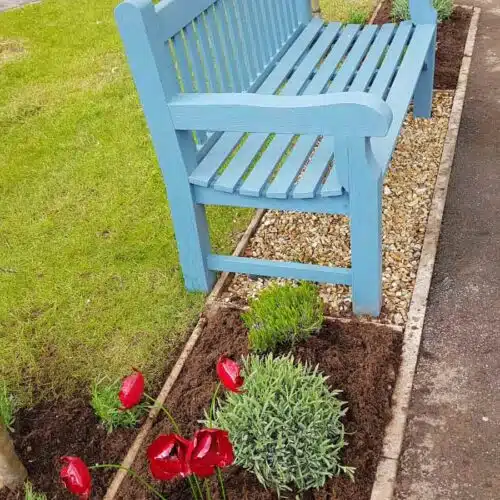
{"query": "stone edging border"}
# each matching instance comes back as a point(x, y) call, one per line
point(385, 481)
point(387, 469)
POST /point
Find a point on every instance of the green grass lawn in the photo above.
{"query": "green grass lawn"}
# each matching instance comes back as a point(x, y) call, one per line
point(89, 277)
point(349, 11)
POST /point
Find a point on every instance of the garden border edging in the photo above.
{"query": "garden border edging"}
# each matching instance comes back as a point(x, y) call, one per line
point(383, 487)
point(385, 480)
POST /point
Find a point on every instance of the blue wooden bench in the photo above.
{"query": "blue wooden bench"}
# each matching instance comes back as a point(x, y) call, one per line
point(255, 103)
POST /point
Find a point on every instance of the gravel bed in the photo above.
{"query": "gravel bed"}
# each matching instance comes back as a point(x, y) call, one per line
point(325, 239)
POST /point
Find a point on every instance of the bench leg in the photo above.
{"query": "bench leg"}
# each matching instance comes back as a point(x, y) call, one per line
point(366, 244)
point(193, 242)
point(422, 99)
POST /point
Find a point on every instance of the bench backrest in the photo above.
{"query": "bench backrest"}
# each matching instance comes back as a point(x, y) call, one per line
point(224, 45)
point(209, 45)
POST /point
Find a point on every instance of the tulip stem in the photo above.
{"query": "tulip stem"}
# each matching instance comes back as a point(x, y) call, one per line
point(167, 413)
point(133, 474)
point(221, 484)
point(207, 489)
point(196, 492)
point(212, 405)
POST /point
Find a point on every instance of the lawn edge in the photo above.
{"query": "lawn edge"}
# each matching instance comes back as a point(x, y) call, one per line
point(176, 370)
point(385, 480)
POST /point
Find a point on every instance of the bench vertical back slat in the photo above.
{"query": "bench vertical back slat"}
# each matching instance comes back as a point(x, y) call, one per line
point(235, 40)
point(236, 37)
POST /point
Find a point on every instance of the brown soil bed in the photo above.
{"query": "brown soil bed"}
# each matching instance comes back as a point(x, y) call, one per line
point(48, 431)
point(360, 359)
point(452, 35)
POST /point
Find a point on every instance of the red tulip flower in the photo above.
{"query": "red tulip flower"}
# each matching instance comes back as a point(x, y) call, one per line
point(76, 477)
point(210, 448)
point(229, 373)
point(167, 457)
point(132, 390)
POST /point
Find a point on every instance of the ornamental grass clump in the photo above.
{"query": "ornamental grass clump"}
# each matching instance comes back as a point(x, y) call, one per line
point(283, 315)
point(286, 425)
point(401, 9)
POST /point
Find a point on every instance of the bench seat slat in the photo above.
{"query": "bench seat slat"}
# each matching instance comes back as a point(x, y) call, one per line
point(230, 178)
point(285, 177)
point(372, 59)
point(254, 183)
point(311, 178)
point(402, 89)
point(391, 59)
point(208, 167)
point(315, 170)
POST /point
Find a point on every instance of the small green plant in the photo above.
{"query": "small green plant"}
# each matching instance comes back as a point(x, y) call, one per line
point(108, 407)
point(7, 408)
point(30, 494)
point(283, 315)
point(401, 9)
point(286, 426)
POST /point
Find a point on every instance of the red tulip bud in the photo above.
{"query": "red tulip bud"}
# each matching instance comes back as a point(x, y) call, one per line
point(76, 477)
point(167, 457)
point(210, 448)
point(229, 373)
point(132, 390)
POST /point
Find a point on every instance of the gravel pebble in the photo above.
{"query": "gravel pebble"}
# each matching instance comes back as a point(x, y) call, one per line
point(325, 239)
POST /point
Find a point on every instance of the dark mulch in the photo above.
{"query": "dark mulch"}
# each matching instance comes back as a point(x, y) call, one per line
point(452, 35)
point(48, 431)
point(360, 359)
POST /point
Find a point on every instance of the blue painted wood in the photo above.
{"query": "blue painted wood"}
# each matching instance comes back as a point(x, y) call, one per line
point(209, 196)
point(227, 45)
point(207, 55)
point(279, 269)
point(422, 98)
point(251, 23)
point(268, 26)
point(220, 58)
point(208, 168)
point(291, 21)
point(231, 177)
point(348, 70)
point(391, 60)
point(342, 114)
point(155, 77)
point(236, 39)
point(200, 81)
point(173, 15)
point(402, 89)
point(248, 40)
point(365, 207)
point(303, 10)
point(370, 64)
point(281, 185)
point(308, 184)
point(256, 180)
point(277, 22)
point(423, 12)
point(214, 137)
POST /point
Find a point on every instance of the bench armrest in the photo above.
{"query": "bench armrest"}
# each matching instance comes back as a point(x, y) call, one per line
point(343, 114)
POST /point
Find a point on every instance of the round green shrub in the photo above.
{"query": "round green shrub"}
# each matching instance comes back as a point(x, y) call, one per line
point(401, 9)
point(286, 426)
point(283, 315)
